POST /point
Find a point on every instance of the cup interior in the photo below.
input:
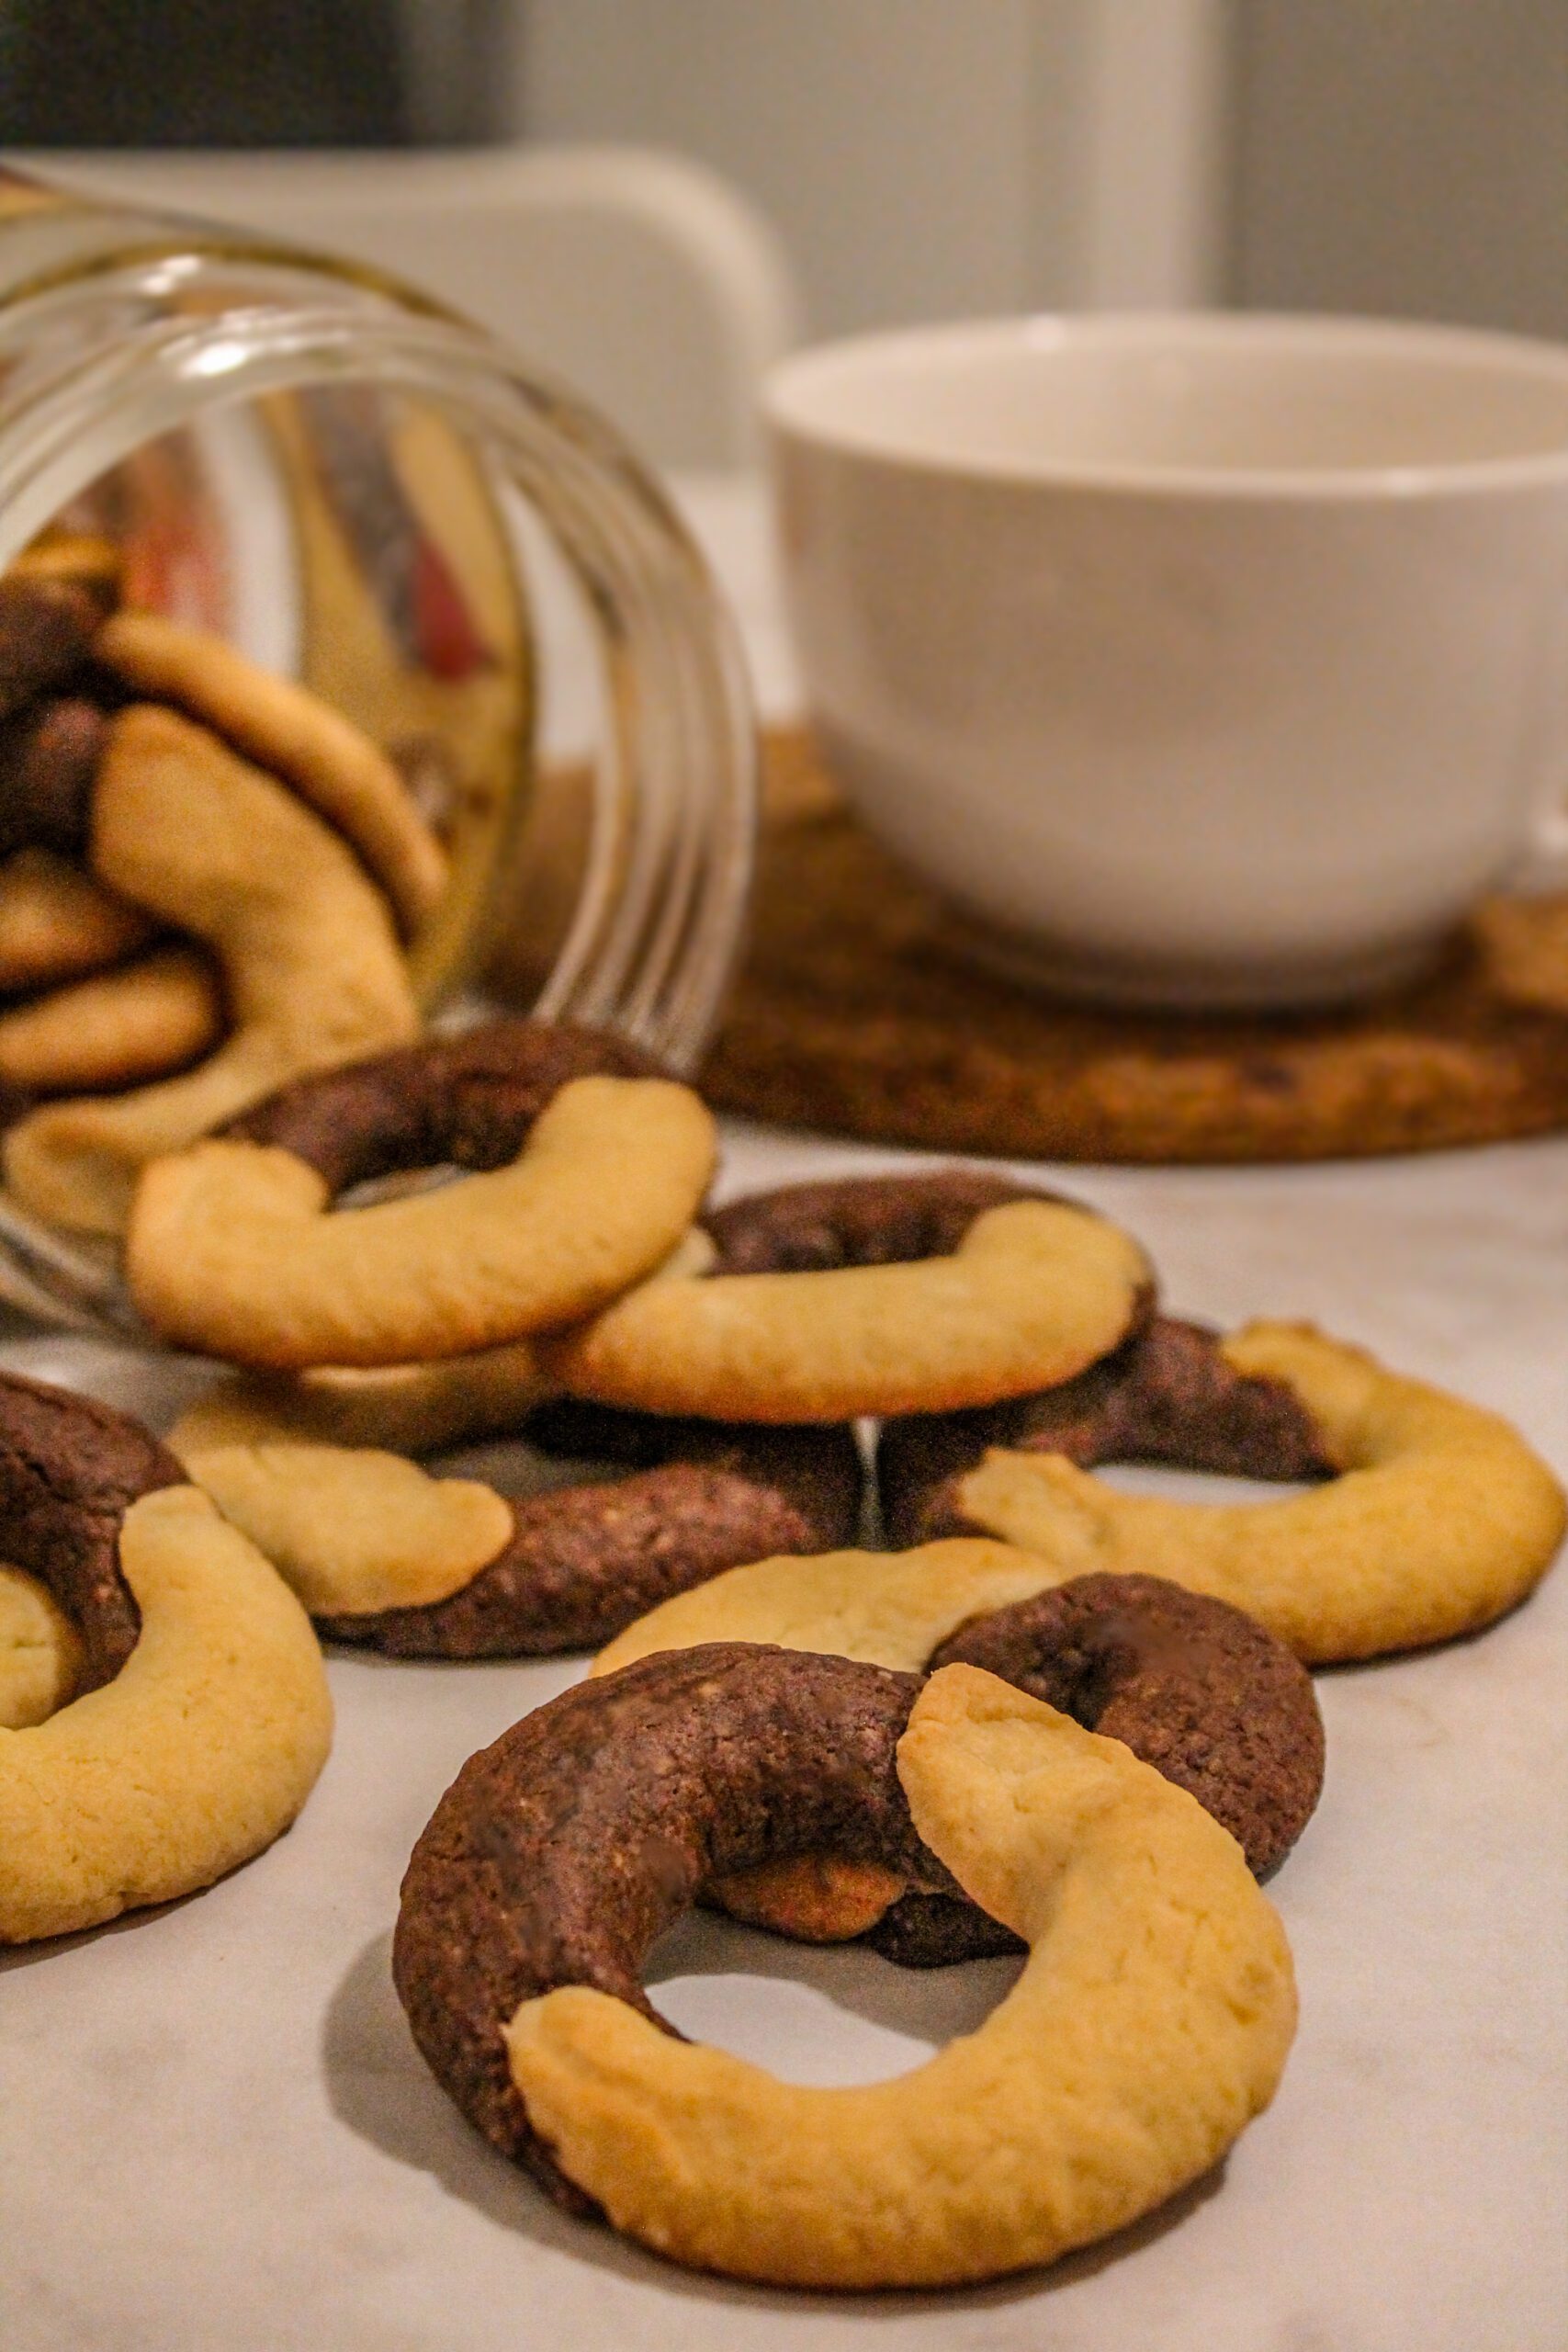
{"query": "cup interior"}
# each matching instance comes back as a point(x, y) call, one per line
point(1184, 399)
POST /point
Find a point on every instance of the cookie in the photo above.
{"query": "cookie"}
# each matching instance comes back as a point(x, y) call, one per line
point(89, 561)
point(50, 755)
point(40, 1654)
point(1151, 2021)
point(406, 1407)
point(69, 1469)
point(311, 971)
point(232, 1249)
point(886, 1608)
point(1437, 1519)
point(1192, 1685)
point(118, 1028)
point(469, 1099)
point(1195, 1687)
point(388, 1558)
point(47, 628)
point(356, 1531)
point(56, 925)
point(584, 1559)
point(1171, 1393)
point(201, 1717)
point(293, 734)
point(869, 1295)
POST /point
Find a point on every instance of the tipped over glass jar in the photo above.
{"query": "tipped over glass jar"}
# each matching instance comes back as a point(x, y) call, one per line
point(407, 672)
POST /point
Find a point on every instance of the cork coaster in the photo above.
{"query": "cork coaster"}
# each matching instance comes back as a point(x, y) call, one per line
point(856, 1012)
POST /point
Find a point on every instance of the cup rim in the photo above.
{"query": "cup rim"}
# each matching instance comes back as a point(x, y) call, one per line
point(791, 410)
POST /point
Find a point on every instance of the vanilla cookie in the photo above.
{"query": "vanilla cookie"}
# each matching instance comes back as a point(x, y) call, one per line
point(353, 1531)
point(86, 558)
point(295, 735)
point(404, 1407)
point(118, 1028)
point(40, 1652)
point(56, 925)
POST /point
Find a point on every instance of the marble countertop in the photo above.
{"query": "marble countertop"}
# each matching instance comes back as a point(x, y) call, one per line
point(215, 2131)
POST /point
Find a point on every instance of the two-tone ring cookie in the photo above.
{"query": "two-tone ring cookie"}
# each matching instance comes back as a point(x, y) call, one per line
point(200, 1716)
point(387, 1557)
point(1193, 1686)
point(823, 1302)
point(588, 1173)
point(1427, 1517)
point(311, 971)
point(1150, 2023)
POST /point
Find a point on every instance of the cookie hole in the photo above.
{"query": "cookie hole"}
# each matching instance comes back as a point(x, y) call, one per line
point(827, 2015)
point(1197, 1486)
point(559, 1445)
point(398, 1185)
point(515, 1469)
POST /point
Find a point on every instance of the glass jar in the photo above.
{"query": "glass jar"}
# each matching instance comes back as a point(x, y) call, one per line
point(369, 495)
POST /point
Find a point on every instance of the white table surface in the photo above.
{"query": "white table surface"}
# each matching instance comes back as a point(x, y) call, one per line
point(215, 2131)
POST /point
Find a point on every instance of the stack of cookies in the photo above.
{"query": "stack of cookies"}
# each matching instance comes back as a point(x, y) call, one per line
point(207, 877)
point(1052, 1717)
point(567, 1282)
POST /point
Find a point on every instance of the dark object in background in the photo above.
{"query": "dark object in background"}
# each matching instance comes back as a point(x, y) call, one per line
point(253, 73)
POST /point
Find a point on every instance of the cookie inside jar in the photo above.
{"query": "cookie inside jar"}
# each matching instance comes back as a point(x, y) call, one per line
point(274, 636)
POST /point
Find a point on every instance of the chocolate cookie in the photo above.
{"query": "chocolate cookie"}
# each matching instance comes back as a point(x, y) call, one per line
point(583, 1561)
point(857, 1221)
point(561, 1852)
point(1196, 1688)
point(69, 1469)
point(467, 1101)
point(49, 754)
point(46, 629)
point(1167, 1395)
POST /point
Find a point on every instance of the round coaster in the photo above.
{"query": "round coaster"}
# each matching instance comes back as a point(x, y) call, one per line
point(858, 1010)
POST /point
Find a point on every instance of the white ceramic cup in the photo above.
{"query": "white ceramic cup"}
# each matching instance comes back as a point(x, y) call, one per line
point(1199, 660)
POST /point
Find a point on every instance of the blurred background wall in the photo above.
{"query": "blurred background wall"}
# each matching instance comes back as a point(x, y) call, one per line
point(922, 158)
point(927, 157)
point(1406, 155)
